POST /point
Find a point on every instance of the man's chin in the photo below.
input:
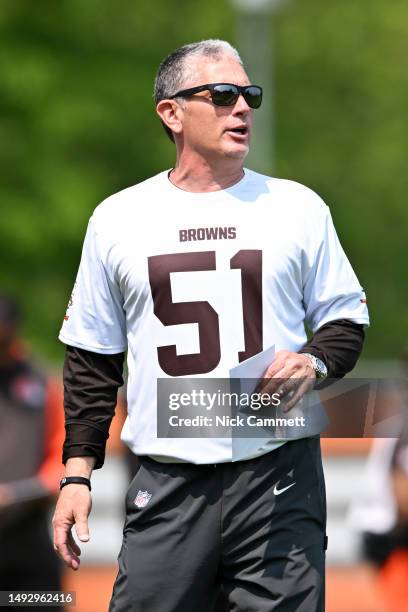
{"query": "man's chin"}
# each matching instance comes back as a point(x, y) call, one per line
point(237, 152)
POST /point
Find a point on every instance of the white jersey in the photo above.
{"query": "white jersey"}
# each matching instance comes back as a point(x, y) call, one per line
point(191, 284)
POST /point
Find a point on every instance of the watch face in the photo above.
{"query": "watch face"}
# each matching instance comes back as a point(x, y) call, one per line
point(318, 366)
point(321, 370)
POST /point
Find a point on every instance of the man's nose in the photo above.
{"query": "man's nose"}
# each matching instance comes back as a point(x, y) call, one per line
point(241, 105)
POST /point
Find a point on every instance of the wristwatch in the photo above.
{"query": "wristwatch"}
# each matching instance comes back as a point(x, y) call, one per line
point(318, 366)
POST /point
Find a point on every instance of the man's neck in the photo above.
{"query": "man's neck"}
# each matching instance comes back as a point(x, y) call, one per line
point(202, 176)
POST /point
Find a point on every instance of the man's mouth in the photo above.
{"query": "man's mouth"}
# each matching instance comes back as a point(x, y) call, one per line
point(239, 133)
point(243, 130)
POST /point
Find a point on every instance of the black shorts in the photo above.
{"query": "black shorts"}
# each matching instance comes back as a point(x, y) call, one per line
point(244, 536)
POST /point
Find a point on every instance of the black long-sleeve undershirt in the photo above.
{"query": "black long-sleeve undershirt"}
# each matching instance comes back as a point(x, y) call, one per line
point(338, 344)
point(91, 382)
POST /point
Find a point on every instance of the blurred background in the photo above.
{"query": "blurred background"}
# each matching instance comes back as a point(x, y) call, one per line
point(78, 123)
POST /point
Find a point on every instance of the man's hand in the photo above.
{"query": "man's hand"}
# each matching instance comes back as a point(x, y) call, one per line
point(291, 375)
point(73, 508)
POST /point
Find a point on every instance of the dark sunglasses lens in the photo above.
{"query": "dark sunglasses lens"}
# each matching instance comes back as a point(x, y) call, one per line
point(224, 95)
point(253, 96)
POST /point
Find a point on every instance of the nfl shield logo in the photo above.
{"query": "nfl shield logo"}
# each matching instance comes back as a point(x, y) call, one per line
point(142, 499)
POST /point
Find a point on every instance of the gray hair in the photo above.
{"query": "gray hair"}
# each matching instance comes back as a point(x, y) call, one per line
point(177, 69)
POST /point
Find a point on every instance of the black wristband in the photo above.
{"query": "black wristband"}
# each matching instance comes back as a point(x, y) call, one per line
point(75, 480)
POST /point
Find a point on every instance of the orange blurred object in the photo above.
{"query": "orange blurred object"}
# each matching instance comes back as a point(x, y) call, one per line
point(345, 446)
point(393, 581)
point(114, 445)
point(51, 469)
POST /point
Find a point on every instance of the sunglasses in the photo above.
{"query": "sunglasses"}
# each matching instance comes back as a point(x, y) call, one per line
point(226, 94)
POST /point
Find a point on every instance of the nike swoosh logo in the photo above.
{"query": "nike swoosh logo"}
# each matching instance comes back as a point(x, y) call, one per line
point(277, 491)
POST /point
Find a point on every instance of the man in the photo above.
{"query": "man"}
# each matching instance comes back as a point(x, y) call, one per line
point(193, 271)
point(31, 434)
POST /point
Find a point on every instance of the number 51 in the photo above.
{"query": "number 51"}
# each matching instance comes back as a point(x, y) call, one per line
point(175, 313)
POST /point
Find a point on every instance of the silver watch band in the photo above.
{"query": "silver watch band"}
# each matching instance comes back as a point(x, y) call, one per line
point(318, 365)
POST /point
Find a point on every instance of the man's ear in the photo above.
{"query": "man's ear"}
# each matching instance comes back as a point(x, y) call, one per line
point(170, 113)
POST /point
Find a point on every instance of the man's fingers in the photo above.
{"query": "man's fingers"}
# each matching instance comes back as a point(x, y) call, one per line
point(69, 557)
point(62, 545)
point(279, 363)
point(73, 508)
point(273, 371)
point(285, 366)
point(81, 527)
point(290, 376)
point(268, 385)
point(74, 546)
point(287, 387)
point(303, 387)
point(272, 385)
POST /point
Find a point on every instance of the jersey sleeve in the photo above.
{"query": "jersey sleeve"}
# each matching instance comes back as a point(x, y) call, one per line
point(95, 319)
point(331, 289)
